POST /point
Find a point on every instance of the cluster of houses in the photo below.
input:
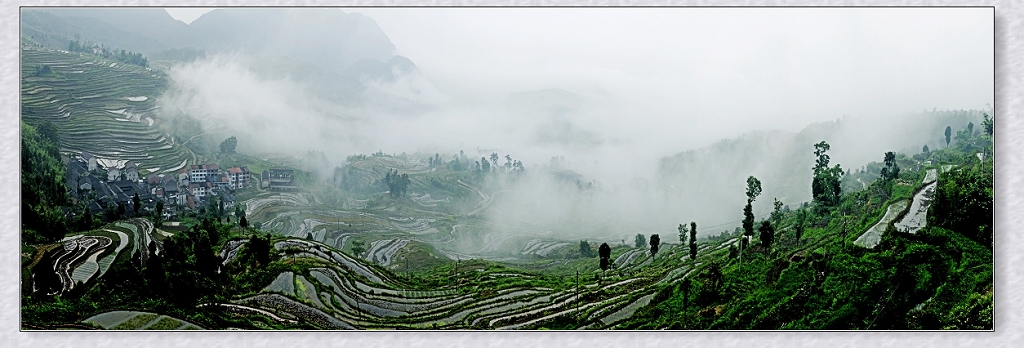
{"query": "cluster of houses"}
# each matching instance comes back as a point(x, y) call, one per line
point(188, 189)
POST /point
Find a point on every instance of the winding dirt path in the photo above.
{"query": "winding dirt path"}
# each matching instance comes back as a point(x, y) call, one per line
point(483, 203)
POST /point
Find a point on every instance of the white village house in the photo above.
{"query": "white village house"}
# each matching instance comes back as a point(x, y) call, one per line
point(199, 172)
point(113, 174)
point(131, 171)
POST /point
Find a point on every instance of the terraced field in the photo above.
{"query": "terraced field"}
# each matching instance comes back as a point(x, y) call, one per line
point(100, 107)
point(342, 292)
point(81, 258)
point(350, 290)
point(133, 320)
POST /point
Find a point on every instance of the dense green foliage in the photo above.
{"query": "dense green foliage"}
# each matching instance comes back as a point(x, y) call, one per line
point(585, 249)
point(767, 234)
point(963, 202)
point(43, 195)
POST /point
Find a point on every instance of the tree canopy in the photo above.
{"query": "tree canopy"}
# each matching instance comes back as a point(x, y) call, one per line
point(605, 252)
point(585, 250)
point(228, 145)
point(826, 185)
point(43, 194)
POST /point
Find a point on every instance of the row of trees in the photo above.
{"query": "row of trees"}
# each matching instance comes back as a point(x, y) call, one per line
point(121, 56)
point(397, 184)
point(825, 189)
point(692, 232)
point(461, 162)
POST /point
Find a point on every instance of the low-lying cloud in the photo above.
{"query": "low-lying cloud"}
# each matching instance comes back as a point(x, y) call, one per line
point(612, 120)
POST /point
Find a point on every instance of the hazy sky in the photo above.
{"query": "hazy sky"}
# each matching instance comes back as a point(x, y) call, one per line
point(763, 67)
point(750, 65)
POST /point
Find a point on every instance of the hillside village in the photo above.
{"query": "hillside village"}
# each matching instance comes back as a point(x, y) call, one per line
point(100, 187)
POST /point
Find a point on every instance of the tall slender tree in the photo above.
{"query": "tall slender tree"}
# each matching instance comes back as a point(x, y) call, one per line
point(776, 216)
point(753, 190)
point(655, 243)
point(826, 186)
point(159, 213)
point(693, 240)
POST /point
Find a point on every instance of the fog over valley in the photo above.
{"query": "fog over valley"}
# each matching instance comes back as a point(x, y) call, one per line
point(643, 102)
point(528, 168)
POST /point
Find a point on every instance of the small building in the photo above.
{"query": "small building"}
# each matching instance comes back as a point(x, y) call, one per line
point(190, 201)
point(244, 180)
point(183, 178)
point(89, 160)
point(95, 208)
point(238, 177)
point(154, 181)
point(199, 172)
point(200, 189)
point(113, 174)
point(181, 199)
point(265, 179)
point(131, 171)
point(76, 174)
point(170, 190)
point(282, 179)
point(220, 182)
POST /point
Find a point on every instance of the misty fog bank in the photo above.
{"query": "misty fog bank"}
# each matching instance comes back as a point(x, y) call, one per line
point(644, 125)
point(650, 178)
